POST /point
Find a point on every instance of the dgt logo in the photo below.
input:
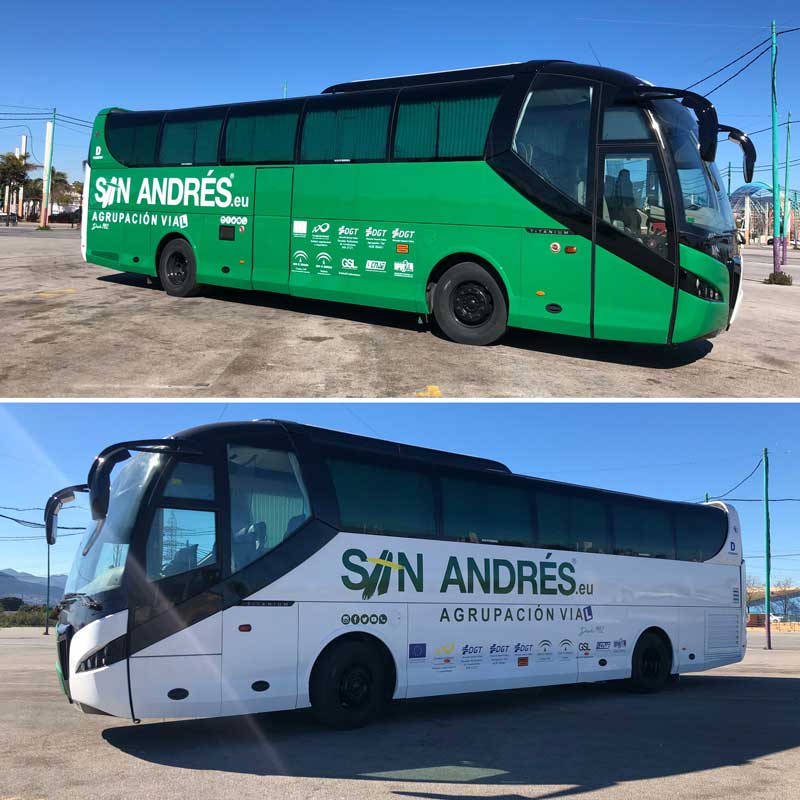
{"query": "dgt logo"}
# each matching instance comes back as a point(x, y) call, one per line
point(378, 578)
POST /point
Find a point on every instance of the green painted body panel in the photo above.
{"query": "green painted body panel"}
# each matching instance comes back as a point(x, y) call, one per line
point(630, 305)
point(696, 317)
point(372, 234)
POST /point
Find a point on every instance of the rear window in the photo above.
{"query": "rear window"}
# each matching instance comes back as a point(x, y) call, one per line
point(131, 136)
point(191, 137)
point(700, 532)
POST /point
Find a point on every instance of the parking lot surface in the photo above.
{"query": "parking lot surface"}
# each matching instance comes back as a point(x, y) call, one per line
point(731, 732)
point(73, 329)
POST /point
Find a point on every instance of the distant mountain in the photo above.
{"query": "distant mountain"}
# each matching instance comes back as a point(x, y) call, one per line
point(31, 588)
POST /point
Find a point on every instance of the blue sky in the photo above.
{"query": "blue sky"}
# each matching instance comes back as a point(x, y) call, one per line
point(191, 52)
point(676, 451)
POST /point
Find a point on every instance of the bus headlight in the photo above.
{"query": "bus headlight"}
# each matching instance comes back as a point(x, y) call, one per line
point(699, 288)
point(114, 651)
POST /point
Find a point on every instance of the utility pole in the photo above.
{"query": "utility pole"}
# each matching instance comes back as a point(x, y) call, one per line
point(48, 169)
point(285, 89)
point(21, 191)
point(767, 611)
point(776, 189)
point(47, 607)
point(785, 237)
point(795, 209)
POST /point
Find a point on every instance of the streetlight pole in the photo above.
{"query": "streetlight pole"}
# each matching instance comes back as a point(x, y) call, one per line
point(767, 608)
point(729, 179)
point(776, 189)
point(785, 236)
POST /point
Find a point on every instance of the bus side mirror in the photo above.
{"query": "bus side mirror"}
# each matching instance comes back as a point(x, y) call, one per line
point(748, 149)
point(54, 506)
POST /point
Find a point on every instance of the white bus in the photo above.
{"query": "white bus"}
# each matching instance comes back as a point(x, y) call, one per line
point(239, 568)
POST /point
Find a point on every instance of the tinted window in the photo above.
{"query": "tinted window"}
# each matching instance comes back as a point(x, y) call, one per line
point(431, 124)
point(268, 501)
point(191, 137)
point(485, 511)
point(377, 498)
point(642, 529)
point(131, 136)
point(191, 480)
point(346, 129)
point(625, 122)
point(700, 531)
point(554, 133)
point(260, 133)
point(568, 520)
point(180, 540)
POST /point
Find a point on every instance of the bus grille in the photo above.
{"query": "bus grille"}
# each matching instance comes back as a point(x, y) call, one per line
point(735, 272)
point(64, 633)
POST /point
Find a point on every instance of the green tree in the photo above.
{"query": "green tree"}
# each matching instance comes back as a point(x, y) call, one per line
point(13, 173)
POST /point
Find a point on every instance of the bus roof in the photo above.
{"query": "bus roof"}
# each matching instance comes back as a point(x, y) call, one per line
point(326, 436)
point(589, 71)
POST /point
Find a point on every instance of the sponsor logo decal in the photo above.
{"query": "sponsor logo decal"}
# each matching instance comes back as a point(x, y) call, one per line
point(603, 646)
point(349, 263)
point(323, 227)
point(402, 248)
point(300, 261)
point(417, 650)
point(620, 644)
point(405, 268)
point(472, 576)
point(376, 266)
point(401, 235)
point(364, 619)
point(211, 191)
point(522, 661)
point(300, 227)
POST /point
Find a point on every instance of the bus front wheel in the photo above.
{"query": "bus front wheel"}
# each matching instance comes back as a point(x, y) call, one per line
point(177, 269)
point(469, 306)
point(347, 686)
point(651, 664)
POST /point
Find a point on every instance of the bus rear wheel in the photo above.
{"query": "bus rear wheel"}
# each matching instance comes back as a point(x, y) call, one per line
point(651, 664)
point(177, 269)
point(347, 686)
point(468, 305)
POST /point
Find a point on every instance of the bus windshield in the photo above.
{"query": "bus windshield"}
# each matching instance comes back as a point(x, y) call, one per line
point(100, 560)
point(705, 203)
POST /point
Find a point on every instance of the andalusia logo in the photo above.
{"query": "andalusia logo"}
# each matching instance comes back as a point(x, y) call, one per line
point(377, 578)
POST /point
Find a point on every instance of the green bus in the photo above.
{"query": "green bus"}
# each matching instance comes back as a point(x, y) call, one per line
point(545, 195)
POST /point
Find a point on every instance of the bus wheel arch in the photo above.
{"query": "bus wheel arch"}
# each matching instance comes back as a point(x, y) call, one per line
point(652, 660)
point(480, 316)
point(176, 245)
point(358, 646)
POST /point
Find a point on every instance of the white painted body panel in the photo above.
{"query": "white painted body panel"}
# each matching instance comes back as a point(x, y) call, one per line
point(543, 630)
point(106, 688)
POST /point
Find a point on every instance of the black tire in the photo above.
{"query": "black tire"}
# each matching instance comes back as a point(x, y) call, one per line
point(651, 664)
point(469, 306)
point(347, 686)
point(177, 269)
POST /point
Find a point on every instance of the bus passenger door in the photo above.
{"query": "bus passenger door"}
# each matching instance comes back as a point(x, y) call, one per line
point(271, 234)
point(176, 620)
point(634, 260)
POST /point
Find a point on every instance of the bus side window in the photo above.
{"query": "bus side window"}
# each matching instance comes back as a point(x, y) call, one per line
point(552, 520)
point(588, 524)
point(261, 133)
point(625, 122)
point(268, 501)
point(554, 133)
point(183, 534)
point(346, 129)
point(642, 529)
point(433, 125)
point(131, 136)
point(191, 137)
point(378, 498)
point(484, 510)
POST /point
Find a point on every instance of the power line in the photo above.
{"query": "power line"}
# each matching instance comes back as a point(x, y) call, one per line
point(729, 64)
point(738, 71)
point(76, 119)
point(750, 475)
point(27, 523)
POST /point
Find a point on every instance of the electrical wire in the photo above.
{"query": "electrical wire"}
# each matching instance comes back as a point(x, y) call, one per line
point(27, 523)
point(738, 72)
point(744, 480)
point(730, 63)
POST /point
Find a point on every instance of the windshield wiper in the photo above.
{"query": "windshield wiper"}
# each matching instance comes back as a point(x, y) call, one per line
point(90, 601)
